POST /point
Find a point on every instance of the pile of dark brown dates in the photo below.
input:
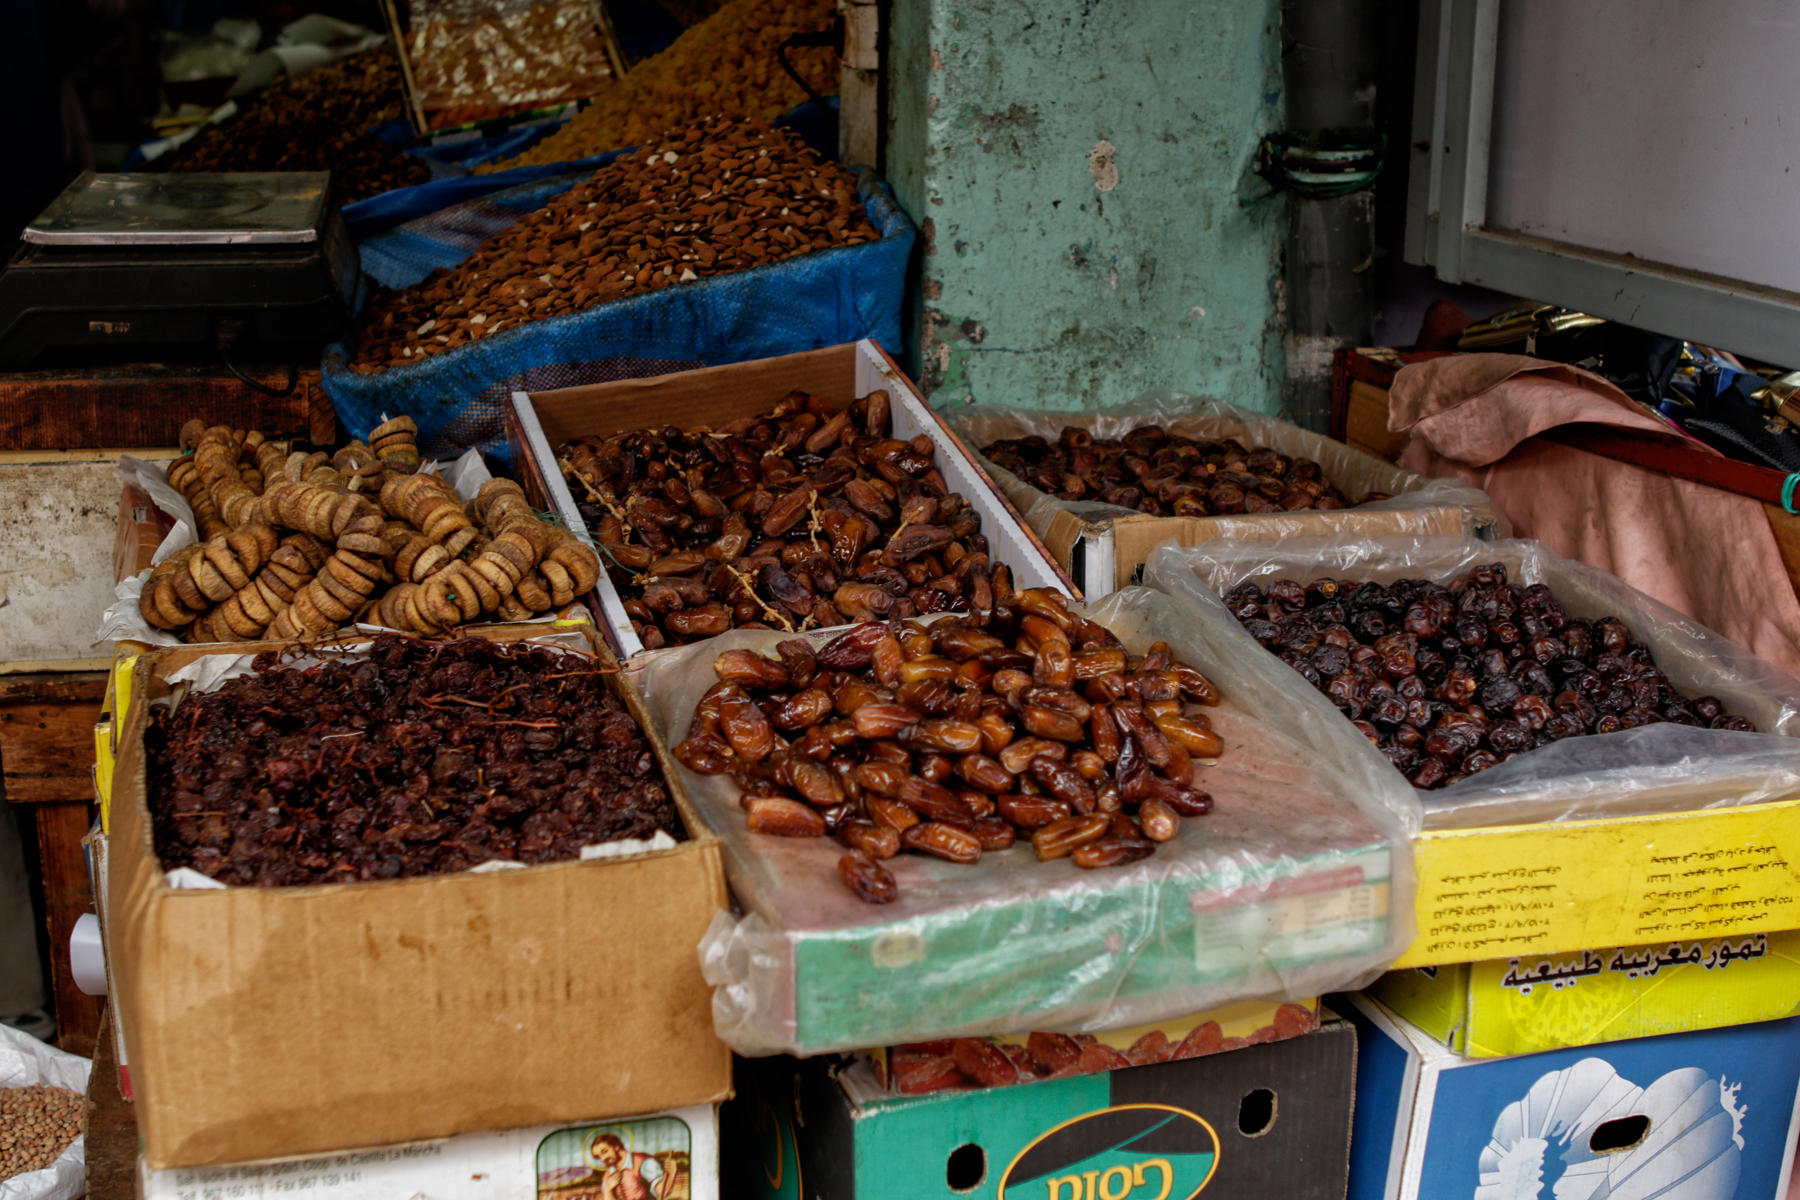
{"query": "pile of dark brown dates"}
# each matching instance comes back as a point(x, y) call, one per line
point(418, 758)
point(959, 736)
point(1449, 681)
point(801, 518)
point(1164, 474)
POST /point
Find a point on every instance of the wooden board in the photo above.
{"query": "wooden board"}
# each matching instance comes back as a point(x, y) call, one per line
point(47, 736)
point(112, 1137)
point(68, 893)
point(146, 404)
point(46, 767)
point(1365, 422)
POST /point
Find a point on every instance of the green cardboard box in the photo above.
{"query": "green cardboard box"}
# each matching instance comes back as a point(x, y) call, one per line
point(1265, 1121)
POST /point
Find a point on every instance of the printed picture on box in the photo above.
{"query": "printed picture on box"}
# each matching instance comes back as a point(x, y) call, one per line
point(627, 1160)
point(1588, 1133)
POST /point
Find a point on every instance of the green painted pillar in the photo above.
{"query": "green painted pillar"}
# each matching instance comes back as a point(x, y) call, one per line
point(1075, 168)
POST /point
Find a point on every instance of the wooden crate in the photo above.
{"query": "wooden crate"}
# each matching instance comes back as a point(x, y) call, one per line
point(146, 404)
point(46, 769)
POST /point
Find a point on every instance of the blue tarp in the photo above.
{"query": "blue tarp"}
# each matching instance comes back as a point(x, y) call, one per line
point(818, 299)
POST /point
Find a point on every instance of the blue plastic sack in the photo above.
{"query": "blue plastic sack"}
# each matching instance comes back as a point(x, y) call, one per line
point(822, 298)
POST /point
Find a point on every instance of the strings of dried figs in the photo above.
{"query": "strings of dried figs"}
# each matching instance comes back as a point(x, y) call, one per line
point(295, 544)
point(1451, 680)
point(1165, 474)
point(801, 518)
point(420, 758)
point(959, 736)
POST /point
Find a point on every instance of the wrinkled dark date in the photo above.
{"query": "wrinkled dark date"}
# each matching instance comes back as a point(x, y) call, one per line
point(1164, 474)
point(419, 758)
point(798, 519)
point(961, 737)
point(1450, 681)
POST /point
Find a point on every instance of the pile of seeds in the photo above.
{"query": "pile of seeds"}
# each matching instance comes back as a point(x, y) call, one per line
point(719, 196)
point(37, 1124)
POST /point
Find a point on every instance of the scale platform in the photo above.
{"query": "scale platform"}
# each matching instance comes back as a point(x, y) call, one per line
point(218, 263)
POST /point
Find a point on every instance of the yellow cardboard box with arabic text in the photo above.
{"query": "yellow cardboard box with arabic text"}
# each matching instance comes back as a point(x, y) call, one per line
point(1523, 1005)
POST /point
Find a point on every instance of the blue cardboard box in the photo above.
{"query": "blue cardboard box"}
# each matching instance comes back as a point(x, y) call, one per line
point(1706, 1115)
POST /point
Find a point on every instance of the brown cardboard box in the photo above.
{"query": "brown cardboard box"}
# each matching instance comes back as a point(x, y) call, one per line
point(539, 422)
point(263, 1022)
point(142, 527)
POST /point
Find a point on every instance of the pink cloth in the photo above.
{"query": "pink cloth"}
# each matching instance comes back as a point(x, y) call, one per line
point(1701, 550)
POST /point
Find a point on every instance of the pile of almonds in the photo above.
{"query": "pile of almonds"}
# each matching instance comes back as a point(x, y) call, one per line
point(1165, 474)
point(961, 736)
point(724, 66)
point(720, 196)
point(794, 519)
point(297, 544)
point(37, 1124)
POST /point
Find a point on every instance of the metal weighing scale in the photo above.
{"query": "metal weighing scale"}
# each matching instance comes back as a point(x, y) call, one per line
point(217, 263)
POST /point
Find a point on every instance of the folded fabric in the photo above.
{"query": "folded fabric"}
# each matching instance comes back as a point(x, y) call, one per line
point(1707, 552)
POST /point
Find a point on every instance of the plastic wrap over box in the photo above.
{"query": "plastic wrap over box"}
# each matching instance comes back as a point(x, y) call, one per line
point(1299, 881)
point(1103, 545)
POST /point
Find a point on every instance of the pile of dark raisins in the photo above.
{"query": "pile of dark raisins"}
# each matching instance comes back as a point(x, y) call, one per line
point(1449, 681)
point(422, 758)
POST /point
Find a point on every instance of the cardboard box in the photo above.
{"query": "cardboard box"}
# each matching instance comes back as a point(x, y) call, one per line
point(1267, 1122)
point(263, 1022)
point(1708, 1115)
point(1558, 888)
point(675, 1152)
point(1107, 553)
point(916, 1068)
point(539, 422)
point(1544, 1002)
point(142, 527)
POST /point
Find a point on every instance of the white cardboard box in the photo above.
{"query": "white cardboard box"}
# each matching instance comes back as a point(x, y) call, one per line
point(675, 1151)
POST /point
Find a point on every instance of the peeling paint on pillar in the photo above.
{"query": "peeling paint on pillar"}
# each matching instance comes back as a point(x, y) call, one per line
point(1081, 163)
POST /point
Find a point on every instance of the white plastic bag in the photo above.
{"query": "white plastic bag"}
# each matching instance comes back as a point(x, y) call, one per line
point(1650, 769)
point(1416, 500)
point(1298, 882)
point(25, 1061)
